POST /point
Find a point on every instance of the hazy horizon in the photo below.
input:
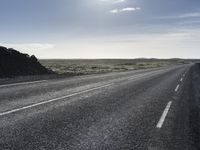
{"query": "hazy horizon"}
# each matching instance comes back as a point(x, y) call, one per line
point(102, 29)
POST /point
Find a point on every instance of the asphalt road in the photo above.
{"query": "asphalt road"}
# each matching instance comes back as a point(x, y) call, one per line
point(145, 110)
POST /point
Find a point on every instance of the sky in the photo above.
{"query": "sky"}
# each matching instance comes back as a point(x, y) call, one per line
point(102, 28)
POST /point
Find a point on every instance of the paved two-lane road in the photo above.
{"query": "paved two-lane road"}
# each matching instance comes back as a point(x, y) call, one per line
point(115, 111)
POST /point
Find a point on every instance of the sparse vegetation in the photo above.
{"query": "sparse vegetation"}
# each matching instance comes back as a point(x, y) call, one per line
point(81, 66)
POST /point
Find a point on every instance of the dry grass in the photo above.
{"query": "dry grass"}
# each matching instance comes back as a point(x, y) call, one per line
point(79, 67)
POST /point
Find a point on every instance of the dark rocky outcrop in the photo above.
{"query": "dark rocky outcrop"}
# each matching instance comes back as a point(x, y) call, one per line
point(14, 63)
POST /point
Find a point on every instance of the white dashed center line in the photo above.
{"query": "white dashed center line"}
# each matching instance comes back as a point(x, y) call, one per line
point(177, 87)
point(164, 115)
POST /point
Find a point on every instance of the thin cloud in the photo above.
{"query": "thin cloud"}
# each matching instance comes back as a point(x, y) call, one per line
point(130, 9)
point(189, 15)
point(127, 9)
point(119, 1)
point(114, 1)
point(114, 11)
point(181, 16)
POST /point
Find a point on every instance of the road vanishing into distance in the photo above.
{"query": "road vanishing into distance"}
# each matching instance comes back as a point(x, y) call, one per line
point(144, 110)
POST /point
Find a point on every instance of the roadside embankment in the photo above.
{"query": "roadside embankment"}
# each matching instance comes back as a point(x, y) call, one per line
point(14, 63)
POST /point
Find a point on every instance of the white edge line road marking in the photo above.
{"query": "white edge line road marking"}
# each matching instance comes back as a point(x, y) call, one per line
point(52, 100)
point(164, 115)
point(181, 79)
point(177, 87)
point(22, 83)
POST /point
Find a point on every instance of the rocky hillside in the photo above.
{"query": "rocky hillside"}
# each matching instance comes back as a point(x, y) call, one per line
point(14, 63)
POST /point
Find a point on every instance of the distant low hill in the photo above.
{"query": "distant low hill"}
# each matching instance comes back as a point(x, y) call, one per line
point(14, 63)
